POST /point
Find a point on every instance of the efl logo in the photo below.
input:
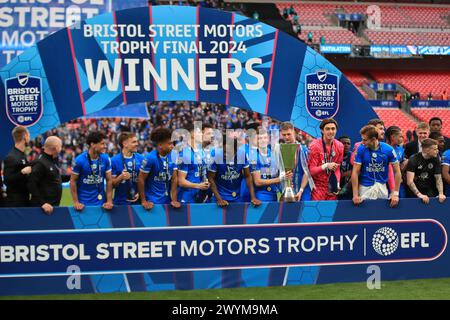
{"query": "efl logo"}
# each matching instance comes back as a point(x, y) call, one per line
point(385, 241)
point(24, 99)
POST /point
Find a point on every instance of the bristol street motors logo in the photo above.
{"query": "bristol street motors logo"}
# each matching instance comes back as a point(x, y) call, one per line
point(24, 99)
point(322, 94)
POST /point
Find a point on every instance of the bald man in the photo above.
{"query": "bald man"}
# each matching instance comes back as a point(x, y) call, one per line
point(45, 179)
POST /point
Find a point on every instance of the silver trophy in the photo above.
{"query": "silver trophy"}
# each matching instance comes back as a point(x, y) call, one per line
point(289, 156)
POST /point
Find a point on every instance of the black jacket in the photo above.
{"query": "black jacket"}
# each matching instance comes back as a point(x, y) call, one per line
point(15, 181)
point(45, 181)
point(411, 148)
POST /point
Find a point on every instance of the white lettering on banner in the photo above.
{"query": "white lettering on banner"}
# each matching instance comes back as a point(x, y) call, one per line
point(102, 74)
point(54, 252)
point(173, 31)
point(127, 250)
point(221, 246)
point(309, 244)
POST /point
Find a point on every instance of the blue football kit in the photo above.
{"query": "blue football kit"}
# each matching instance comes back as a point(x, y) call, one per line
point(268, 169)
point(126, 188)
point(158, 183)
point(375, 163)
point(192, 163)
point(91, 178)
point(229, 176)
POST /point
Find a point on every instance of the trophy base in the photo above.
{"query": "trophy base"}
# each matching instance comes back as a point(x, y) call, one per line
point(288, 195)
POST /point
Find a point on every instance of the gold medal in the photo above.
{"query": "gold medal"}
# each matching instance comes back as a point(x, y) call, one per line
point(269, 189)
point(100, 197)
point(167, 193)
point(233, 194)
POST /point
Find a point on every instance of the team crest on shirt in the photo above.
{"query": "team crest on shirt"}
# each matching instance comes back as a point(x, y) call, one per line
point(231, 174)
point(94, 166)
point(130, 163)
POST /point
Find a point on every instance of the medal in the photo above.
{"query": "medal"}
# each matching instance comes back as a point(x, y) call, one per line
point(99, 197)
point(166, 193)
point(233, 194)
point(269, 189)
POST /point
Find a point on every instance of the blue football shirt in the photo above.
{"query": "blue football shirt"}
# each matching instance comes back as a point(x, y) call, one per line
point(132, 165)
point(268, 169)
point(91, 178)
point(229, 175)
point(192, 163)
point(158, 182)
point(374, 163)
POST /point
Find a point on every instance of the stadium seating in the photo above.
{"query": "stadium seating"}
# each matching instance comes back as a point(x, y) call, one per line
point(396, 117)
point(409, 38)
point(341, 36)
point(310, 14)
point(425, 114)
point(358, 80)
point(404, 16)
point(407, 16)
point(422, 82)
point(355, 77)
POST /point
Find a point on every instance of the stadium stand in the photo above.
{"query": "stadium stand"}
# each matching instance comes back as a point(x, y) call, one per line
point(422, 82)
point(358, 80)
point(408, 37)
point(335, 35)
point(425, 114)
point(396, 117)
point(310, 14)
point(401, 24)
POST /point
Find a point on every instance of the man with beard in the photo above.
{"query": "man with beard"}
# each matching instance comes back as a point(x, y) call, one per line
point(423, 173)
point(17, 169)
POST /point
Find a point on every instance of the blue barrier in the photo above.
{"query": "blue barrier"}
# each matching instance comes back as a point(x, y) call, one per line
point(430, 103)
point(130, 249)
point(384, 103)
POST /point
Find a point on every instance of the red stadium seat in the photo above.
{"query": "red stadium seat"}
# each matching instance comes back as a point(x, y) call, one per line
point(396, 117)
point(425, 114)
point(422, 82)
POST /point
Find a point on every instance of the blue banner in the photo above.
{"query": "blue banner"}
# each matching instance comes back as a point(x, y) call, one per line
point(430, 103)
point(383, 86)
point(51, 252)
point(178, 53)
point(336, 48)
point(384, 103)
point(203, 246)
point(434, 50)
point(23, 24)
point(376, 50)
point(350, 16)
point(134, 111)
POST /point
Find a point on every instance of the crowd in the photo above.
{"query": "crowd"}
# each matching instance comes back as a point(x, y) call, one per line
point(170, 115)
point(137, 162)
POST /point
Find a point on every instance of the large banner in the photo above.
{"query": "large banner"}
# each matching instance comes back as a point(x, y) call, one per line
point(24, 23)
point(167, 53)
point(203, 246)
